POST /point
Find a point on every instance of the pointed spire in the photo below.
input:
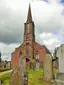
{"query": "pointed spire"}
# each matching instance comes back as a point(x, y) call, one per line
point(29, 17)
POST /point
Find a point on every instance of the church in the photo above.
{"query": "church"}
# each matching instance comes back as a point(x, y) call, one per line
point(29, 49)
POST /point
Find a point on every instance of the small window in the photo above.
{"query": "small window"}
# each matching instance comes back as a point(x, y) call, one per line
point(37, 54)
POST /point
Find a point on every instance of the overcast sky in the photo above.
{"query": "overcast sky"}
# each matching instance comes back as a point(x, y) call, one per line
point(48, 16)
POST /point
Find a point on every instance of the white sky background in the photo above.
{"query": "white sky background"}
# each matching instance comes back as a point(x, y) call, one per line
point(48, 19)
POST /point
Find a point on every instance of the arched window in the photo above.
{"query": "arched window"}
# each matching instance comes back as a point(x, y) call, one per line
point(20, 54)
point(20, 58)
point(37, 56)
point(27, 49)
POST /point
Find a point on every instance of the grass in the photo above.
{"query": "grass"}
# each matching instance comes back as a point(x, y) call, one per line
point(33, 77)
point(5, 78)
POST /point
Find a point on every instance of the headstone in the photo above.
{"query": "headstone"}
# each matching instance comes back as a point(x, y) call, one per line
point(19, 77)
point(59, 80)
point(32, 64)
point(19, 74)
point(48, 67)
point(37, 66)
point(60, 55)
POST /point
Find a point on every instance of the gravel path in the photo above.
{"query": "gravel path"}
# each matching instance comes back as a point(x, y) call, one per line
point(1, 73)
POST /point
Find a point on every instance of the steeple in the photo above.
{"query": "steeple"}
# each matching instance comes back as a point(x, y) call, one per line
point(29, 17)
point(29, 28)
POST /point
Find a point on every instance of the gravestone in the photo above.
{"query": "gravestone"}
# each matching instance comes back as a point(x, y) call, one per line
point(32, 64)
point(19, 77)
point(60, 55)
point(19, 74)
point(37, 65)
point(59, 80)
point(48, 67)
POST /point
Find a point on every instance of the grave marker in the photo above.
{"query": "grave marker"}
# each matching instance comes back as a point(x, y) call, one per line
point(59, 80)
point(19, 74)
point(48, 67)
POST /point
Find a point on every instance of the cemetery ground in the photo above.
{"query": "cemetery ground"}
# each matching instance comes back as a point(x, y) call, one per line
point(34, 77)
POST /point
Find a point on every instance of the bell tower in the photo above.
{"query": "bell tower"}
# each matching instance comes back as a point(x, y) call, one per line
point(29, 36)
point(29, 27)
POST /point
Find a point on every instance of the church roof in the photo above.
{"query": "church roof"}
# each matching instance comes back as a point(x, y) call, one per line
point(29, 17)
point(47, 50)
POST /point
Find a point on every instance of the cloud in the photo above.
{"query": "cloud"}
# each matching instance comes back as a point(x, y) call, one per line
point(10, 24)
point(50, 40)
point(13, 14)
point(6, 50)
point(48, 19)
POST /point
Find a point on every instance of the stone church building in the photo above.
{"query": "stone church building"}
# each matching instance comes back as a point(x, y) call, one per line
point(29, 49)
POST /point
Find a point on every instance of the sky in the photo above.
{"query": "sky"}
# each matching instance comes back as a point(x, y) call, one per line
point(48, 16)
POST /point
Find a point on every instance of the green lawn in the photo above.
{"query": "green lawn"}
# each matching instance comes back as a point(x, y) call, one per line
point(33, 77)
point(5, 78)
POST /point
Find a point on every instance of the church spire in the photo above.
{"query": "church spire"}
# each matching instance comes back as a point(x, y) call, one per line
point(29, 17)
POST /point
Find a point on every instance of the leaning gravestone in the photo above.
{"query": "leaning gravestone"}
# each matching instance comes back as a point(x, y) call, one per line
point(19, 77)
point(48, 67)
point(59, 80)
point(19, 74)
